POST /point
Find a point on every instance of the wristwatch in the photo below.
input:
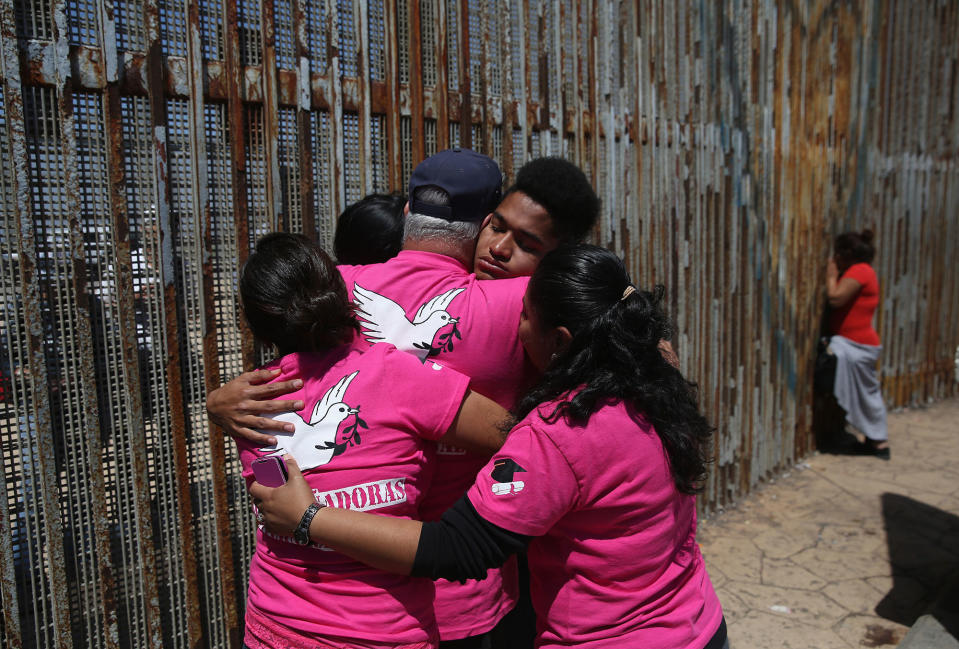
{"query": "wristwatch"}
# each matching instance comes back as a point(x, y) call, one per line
point(302, 532)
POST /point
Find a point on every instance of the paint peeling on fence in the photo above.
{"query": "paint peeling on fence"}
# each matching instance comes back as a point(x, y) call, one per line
point(147, 145)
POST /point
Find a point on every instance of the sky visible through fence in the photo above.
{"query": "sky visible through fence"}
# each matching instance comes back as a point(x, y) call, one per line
point(146, 145)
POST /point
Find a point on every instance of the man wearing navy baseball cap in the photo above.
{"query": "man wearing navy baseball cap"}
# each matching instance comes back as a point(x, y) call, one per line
point(450, 193)
point(471, 181)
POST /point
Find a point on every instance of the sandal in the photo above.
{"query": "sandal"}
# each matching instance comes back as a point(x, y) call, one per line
point(871, 448)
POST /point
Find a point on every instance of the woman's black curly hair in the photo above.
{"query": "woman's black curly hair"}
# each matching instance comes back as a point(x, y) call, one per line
point(855, 247)
point(614, 354)
point(294, 297)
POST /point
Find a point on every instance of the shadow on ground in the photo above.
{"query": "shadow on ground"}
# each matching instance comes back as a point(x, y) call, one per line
point(924, 556)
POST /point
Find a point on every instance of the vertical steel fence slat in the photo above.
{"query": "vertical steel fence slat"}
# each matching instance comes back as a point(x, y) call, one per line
point(442, 91)
point(304, 102)
point(233, 73)
point(240, 348)
point(572, 102)
point(50, 620)
point(486, 110)
point(193, 223)
point(181, 596)
point(509, 100)
point(334, 100)
point(215, 547)
point(277, 215)
point(522, 73)
point(82, 484)
point(392, 65)
point(415, 86)
point(465, 78)
point(138, 565)
point(361, 10)
point(197, 283)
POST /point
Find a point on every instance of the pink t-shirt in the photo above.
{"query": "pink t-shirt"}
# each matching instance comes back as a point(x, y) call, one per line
point(430, 305)
point(362, 443)
point(615, 561)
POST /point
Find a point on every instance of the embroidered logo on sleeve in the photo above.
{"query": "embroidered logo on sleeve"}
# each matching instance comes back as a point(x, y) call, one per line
point(314, 443)
point(383, 320)
point(504, 473)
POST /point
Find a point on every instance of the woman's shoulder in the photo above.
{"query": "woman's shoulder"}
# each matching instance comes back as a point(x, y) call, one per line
point(374, 362)
point(613, 417)
point(311, 363)
point(318, 368)
point(861, 272)
point(615, 441)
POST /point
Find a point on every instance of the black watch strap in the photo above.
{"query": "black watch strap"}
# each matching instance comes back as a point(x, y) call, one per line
point(302, 532)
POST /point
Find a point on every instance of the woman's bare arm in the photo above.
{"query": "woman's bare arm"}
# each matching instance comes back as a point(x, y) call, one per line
point(839, 291)
point(480, 425)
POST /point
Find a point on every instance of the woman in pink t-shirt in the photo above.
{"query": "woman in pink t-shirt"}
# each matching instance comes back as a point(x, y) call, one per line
point(596, 480)
point(362, 433)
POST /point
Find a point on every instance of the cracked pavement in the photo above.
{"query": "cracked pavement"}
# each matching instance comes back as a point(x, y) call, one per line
point(843, 551)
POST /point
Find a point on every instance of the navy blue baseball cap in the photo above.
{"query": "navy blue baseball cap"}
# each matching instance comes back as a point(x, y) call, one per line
point(472, 180)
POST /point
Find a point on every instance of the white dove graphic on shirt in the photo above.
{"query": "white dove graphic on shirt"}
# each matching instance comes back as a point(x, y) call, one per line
point(313, 443)
point(384, 320)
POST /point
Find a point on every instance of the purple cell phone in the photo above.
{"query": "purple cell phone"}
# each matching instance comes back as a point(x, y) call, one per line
point(270, 471)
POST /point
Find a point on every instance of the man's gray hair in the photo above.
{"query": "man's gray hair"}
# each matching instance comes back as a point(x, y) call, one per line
point(421, 226)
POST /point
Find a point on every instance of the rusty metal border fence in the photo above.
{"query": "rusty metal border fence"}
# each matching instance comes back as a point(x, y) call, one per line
point(147, 144)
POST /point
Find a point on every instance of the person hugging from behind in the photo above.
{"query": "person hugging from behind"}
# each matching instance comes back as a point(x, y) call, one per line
point(853, 292)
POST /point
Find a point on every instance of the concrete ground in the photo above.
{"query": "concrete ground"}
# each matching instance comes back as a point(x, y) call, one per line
point(844, 551)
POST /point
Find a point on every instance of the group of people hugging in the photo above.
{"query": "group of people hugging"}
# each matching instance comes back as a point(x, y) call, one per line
point(497, 393)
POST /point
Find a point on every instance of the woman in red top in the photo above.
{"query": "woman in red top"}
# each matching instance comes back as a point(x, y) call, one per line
point(853, 291)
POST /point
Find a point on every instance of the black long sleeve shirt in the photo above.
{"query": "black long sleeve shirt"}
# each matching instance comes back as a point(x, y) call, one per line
point(463, 545)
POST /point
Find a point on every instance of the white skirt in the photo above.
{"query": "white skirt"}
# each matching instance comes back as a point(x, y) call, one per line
point(857, 386)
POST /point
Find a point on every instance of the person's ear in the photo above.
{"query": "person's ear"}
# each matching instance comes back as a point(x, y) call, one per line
point(406, 209)
point(561, 339)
